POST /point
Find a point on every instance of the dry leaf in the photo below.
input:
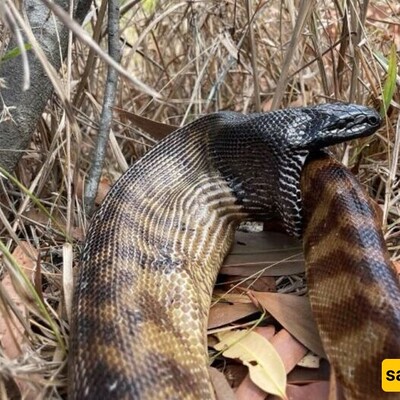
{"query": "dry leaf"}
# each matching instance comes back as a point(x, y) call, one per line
point(266, 332)
point(316, 390)
point(221, 386)
point(294, 314)
point(247, 390)
point(300, 375)
point(226, 313)
point(397, 266)
point(102, 190)
point(263, 253)
point(309, 361)
point(11, 330)
point(265, 366)
point(156, 129)
point(289, 349)
point(261, 284)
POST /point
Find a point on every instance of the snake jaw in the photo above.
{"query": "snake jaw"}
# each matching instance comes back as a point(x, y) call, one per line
point(317, 128)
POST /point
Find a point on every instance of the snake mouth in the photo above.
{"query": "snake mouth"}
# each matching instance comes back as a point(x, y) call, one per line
point(355, 126)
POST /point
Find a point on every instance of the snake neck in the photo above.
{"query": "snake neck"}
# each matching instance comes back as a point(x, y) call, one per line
point(260, 167)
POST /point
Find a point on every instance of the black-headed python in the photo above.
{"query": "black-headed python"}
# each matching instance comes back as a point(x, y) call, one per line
point(154, 248)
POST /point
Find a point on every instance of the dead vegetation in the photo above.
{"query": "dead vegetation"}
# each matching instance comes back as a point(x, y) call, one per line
point(199, 57)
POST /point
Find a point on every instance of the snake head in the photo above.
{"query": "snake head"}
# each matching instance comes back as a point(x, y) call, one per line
point(261, 155)
point(315, 128)
point(328, 124)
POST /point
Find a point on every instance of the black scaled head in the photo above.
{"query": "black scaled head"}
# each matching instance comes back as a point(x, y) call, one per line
point(337, 122)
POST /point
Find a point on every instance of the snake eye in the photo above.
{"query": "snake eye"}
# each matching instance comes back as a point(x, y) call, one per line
point(343, 124)
point(373, 120)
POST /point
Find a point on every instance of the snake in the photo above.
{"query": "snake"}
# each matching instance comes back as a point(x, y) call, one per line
point(352, 285)
point(155, 245)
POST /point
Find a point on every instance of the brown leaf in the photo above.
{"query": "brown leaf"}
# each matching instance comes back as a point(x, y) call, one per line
point(251, 252)
point(300, 375)
point(316, 390)
point(156, 129)
point(267, 332)
point(221, 386)
point(11, 330)
point(25, 254)
point(226, 313)
point(267, 105)
point(290, 350)
point(262, 284)
point(294, 314)
point(247, 390)
point(102, 190)
point(397, 266)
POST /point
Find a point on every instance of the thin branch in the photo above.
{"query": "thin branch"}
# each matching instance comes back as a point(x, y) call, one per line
point(108, 103)
point(79, 95)
point(253, 49)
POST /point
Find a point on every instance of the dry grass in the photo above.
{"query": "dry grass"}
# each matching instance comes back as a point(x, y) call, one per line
point(200, 56)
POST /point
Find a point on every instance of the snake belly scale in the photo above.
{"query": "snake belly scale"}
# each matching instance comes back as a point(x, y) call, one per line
point(154, 248)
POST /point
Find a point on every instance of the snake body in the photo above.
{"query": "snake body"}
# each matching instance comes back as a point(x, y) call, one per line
point(353, 288)
point(154, 248)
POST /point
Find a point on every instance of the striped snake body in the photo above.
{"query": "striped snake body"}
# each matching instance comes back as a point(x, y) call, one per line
point(154, 247)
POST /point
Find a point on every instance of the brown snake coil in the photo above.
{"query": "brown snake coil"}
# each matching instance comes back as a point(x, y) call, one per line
point(154, 248)
point(353, 288)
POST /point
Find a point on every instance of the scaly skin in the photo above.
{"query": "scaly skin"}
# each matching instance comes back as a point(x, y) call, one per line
point(155, 246)
point(353, 288)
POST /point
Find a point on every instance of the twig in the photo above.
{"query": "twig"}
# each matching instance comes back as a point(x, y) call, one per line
point(358, 22)
point(305, 7)
point(253, 49)
point(108, 103)
point(79, 95)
